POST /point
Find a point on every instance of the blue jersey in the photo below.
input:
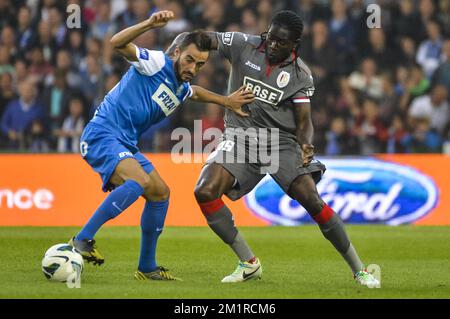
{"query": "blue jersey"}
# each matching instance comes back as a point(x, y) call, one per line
point(145, 95)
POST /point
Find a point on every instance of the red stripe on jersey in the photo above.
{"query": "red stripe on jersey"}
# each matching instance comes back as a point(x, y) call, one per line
point(301, 100)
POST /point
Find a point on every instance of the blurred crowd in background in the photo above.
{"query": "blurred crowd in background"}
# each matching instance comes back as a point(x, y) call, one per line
point(380, 90)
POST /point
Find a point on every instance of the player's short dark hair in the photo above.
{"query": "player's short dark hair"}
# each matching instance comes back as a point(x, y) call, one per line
point(201, 40)
point(291, 21)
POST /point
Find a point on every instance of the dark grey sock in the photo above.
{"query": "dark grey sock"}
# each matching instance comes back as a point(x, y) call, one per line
point(334, 231)
point(241, 248)
point(222, 223)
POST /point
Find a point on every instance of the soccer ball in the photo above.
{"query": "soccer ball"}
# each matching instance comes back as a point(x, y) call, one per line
point(62, 263)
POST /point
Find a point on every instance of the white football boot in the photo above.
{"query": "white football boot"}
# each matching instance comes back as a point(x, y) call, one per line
point(245, 271)
point(365, 278)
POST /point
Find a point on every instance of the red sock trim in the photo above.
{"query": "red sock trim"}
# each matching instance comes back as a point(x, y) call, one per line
point(211, 207)
point(325, 215)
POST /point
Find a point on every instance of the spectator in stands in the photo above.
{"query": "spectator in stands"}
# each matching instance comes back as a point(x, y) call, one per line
point(64, 63)
point(46, 42)
point(443, 16)
point(366, 81)
point(416, 84)
point(20, 114)
point(422, 139)
point(214, 15)
point(72, 128)
point(56, 99)
point(320, 56)
point(406, 24)
point(177, 25)
point(141, 10)
point(310, 11)
point(20, 71)
point(8, 41)
point(39, 68)
point(5, 61)
point(25, 30)
point(36, 139)
point(434, 107)
point(249, 22)
point(75, 46)
point(7, 93)
point(7, 13)
point(370, 130)
point(388, 103)
point(442, 74)
point(339, 139)
point(58, 26)
point(342, 36)
point(103, 24)
point(92, 79)
point(379, 50)
point(429, 52)
point(407, 54)
point(396, 133)
point(427, 11)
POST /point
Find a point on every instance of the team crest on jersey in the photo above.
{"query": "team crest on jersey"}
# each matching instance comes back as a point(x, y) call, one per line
point(283, 79)
point(165, 98)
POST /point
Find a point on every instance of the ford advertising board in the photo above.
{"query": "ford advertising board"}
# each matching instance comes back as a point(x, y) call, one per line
point(359, 190)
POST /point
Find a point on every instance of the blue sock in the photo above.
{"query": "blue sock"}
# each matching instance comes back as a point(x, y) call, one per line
point(116, 202)
point(152, 223)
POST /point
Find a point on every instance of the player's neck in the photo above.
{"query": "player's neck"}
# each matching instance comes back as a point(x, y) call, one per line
point(276, 62)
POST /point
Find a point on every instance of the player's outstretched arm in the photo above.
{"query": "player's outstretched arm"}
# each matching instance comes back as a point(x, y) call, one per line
point(122, 41)
point(234, 101)
point(305, 131)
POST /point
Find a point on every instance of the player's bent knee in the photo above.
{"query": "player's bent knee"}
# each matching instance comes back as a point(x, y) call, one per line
point(205, 193)
point(143, 180)
point(315, 205)
point(158, 194)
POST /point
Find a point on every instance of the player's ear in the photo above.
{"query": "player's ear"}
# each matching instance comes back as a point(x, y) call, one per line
point(177, 52)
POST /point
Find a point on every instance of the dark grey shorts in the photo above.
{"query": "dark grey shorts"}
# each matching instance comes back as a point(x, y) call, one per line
point(249, 174)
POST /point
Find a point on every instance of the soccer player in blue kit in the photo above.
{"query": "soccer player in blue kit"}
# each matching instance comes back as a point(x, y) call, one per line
point(152, 88)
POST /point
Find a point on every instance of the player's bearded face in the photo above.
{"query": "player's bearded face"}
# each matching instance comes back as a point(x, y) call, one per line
point(189, 61)
point(279, 44)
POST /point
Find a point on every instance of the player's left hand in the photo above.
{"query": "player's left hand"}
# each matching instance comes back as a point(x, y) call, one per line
point(307, 153)
point(238, 98)
point(160, 18)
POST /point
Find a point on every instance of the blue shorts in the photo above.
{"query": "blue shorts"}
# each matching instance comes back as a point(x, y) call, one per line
point(103, 151)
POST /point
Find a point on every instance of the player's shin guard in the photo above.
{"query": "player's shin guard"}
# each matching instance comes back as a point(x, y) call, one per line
point(152, 223)
point(332, 228)
point(114, 204)
point(220, 220)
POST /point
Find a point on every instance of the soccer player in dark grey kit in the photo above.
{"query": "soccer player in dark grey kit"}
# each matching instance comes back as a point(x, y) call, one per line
point(269, 65)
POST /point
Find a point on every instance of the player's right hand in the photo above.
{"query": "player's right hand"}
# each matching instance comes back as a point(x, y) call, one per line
point(307, 154)
point(160, 18)
point(238, 98)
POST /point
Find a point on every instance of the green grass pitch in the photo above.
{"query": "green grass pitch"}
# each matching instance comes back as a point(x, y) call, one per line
point(298, 263)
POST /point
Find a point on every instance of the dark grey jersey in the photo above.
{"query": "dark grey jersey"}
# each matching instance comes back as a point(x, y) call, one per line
point(276, 88)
